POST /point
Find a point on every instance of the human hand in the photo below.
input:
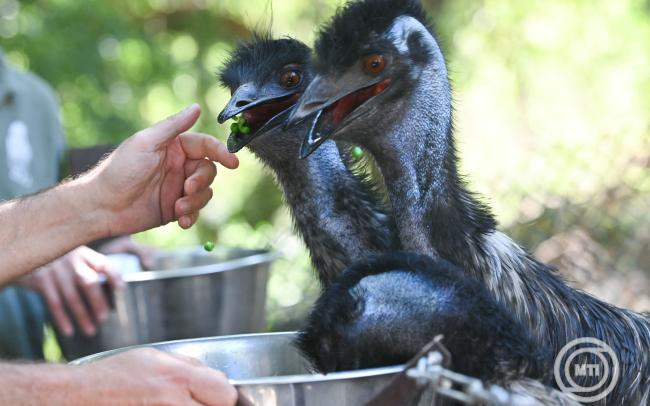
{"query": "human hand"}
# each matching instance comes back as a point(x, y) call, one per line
point(126, 245)
point(159, 175)
point(67, 281)
point(148, 376)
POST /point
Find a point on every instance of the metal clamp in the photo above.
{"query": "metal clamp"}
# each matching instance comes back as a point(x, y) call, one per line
point(470, 391)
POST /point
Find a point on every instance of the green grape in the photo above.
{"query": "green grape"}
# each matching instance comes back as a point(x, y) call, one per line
point(234, 128)
point(357, 152)
point(208, 246)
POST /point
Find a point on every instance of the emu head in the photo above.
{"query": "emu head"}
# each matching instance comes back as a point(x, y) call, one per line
point(368, 61)
point(266, 77)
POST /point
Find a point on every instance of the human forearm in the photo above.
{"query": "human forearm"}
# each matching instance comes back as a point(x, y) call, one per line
point(36, 385)
point(40, 228)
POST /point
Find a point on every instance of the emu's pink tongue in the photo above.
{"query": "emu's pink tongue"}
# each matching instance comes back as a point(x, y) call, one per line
point(257, 116)
point(346, 105)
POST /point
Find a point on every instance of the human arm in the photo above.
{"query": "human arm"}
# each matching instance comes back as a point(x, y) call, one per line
point(159, 175)
point(129, 379)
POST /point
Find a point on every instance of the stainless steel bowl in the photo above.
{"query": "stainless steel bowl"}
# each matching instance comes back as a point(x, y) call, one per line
point(191, 293)
point(269, 371)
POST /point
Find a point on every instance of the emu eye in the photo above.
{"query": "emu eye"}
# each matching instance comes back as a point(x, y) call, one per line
point(290, 78)
point(374, 64)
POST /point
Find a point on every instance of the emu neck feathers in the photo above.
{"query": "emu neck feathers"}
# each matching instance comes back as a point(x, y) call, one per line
point(333, 209)
point(418, 162)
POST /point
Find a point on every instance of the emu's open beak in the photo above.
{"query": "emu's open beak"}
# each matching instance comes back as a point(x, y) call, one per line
point(331, 104)
point(319, 95)
point(238, 141)
point(262, 111)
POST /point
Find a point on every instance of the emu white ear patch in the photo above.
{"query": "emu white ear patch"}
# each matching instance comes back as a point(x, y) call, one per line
point(402, 29)
point(19, 154)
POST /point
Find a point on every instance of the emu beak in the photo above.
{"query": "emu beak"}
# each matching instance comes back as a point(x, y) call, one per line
point(244, 97)
point(317, 97)
point(249, 97)
point(313, 140)
point(314, 101)
point(321, 100)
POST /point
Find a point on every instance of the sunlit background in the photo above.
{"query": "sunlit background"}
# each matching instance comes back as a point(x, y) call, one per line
point(552, 117)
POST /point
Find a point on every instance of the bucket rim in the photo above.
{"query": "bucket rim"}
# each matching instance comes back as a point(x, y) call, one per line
point(255, 257)
point(260, 381)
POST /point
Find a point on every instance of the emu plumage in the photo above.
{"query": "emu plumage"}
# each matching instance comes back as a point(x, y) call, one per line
point(334, 210)
point(389, 307)
point(408, 128)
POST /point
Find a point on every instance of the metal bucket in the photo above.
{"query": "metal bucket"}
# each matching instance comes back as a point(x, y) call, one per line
point(269, 371)
point(191, 293)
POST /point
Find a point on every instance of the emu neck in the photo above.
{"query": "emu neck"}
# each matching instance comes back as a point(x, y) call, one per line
point(334, 211)
point(417, 159)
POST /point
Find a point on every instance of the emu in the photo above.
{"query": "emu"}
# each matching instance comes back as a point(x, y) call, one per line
point(336, 211)
point(381, 82)
point(411, 296)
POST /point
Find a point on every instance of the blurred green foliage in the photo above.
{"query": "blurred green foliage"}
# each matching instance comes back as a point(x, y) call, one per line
point(553, 108)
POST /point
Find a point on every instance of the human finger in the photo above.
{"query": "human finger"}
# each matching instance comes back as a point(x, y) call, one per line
point(96, 259)
point(90, 286)
point(54, 302)
point(188, 220)
point(161, 132)
point(114, 276)
point(199, 146)
point(100, 263)
point(67, 287)
point(192, 203)
point(200, 176)
point(211, 387)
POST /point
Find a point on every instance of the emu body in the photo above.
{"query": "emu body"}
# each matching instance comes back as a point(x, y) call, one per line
point(408, 129)
point(334, 210)
point(384, 309)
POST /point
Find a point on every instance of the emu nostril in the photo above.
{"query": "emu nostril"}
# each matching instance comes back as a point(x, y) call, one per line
point(243, 103)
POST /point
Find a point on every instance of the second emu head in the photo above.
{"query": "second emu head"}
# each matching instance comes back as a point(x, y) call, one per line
point(369, 60)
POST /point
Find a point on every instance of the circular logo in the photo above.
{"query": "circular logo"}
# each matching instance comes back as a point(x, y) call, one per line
point(587, 369)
